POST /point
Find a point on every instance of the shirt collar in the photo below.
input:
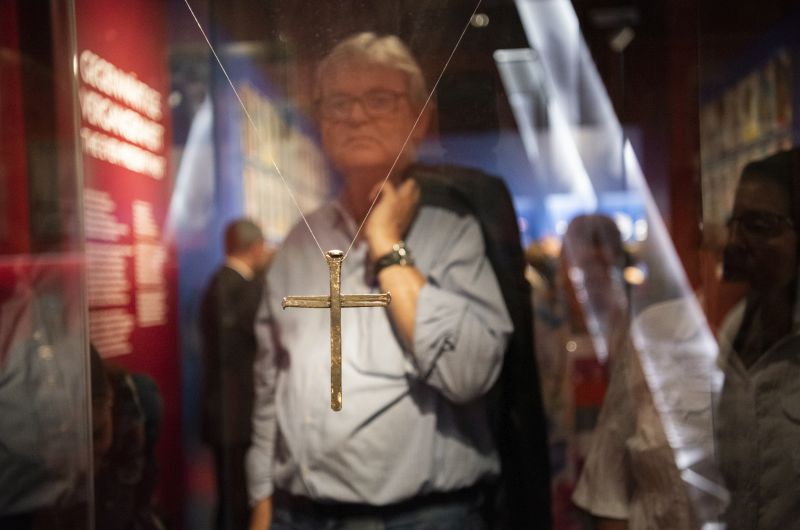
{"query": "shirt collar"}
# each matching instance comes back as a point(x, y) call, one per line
point(343, 219)
point(244, 270)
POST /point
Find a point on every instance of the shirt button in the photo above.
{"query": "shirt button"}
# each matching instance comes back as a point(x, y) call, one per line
point(45, 352)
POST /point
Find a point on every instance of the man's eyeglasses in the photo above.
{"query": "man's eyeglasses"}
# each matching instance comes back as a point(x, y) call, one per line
point(376, 104)
point(760, 224)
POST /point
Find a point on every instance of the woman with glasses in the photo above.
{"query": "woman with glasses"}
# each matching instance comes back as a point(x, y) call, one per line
point(758, 420)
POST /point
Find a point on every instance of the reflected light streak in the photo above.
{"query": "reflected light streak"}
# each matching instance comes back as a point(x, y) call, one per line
point(191, 206)
point(551, 149)
point(676, 348)
point(553, 30)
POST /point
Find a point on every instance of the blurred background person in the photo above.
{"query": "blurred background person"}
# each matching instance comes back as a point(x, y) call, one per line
point(759, 410)
point(579, 329)
point(630, 479)
point(126, 418)
point(227, 318)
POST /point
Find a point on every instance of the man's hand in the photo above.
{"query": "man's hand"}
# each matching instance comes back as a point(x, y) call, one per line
point(391, 216)
point(388, 224)
point(261, 516)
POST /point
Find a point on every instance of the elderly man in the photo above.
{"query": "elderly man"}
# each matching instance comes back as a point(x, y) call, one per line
point(412, 444)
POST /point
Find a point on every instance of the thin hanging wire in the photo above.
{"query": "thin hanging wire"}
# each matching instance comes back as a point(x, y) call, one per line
point(413, 127)
point(255, 128)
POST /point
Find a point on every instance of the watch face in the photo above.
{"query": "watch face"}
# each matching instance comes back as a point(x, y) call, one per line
point(398, 256)
point(403, 255)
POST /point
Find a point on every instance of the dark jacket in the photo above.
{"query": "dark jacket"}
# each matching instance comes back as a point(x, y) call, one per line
point(227, 317)
point(522, 499)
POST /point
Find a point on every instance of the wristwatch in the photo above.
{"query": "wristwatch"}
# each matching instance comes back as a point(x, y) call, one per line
point(400, 255)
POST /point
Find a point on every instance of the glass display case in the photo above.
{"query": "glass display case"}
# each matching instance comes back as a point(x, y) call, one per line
point(593, 202)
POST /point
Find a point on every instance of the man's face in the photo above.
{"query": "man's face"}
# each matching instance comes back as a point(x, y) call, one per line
point(260, 254)
point(762, 243)
point(365, 117)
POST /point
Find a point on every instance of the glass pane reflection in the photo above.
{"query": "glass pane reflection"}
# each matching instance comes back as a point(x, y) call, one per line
point(664, 354)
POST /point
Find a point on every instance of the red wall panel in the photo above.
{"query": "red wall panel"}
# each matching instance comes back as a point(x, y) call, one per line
point(14, 223)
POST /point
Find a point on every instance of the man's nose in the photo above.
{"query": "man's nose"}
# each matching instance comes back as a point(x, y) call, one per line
point(358, 114)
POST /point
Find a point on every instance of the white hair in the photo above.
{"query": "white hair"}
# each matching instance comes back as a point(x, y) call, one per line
point(369, 48)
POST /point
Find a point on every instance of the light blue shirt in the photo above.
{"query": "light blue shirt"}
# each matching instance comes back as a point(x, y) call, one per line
point(411, 422)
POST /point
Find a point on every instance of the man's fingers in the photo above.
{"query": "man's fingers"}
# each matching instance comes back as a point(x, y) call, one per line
point(416, 193)
point(408, 186)
point(387, 191)
point(409, 190)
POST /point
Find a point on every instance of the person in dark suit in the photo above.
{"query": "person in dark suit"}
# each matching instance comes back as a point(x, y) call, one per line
point(227, 316)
